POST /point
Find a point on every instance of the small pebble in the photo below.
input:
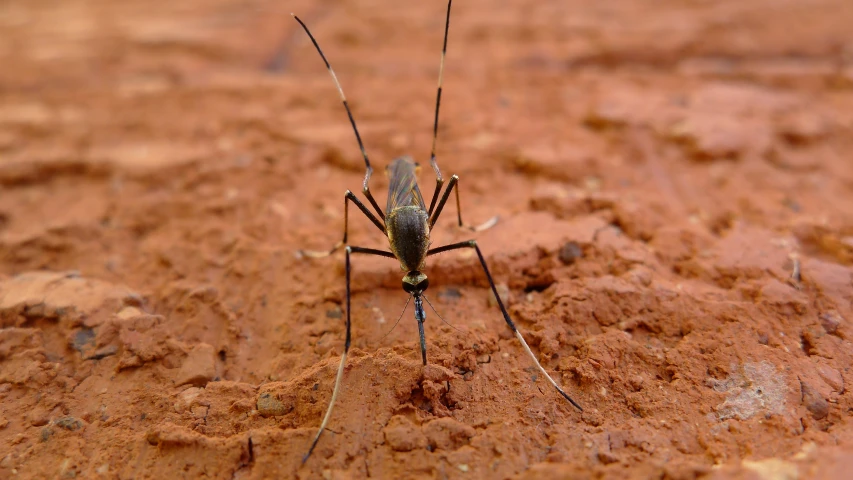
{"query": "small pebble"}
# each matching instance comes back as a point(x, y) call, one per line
point(830, 321)
point(69, 423)
point(570, 252)
point(814, 402)
point(269, 406)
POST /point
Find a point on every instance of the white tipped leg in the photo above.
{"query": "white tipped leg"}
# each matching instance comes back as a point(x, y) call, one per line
point(473, 228)
point(331, 406)
point(541, 369)
point(485, 225)
point(473, 244)
point(337, 389)
point(318, 254)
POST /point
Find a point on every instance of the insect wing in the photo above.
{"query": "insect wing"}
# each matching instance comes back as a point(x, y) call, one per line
point(403, 188)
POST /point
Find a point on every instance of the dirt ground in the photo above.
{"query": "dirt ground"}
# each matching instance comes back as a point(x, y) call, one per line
point(675, 192)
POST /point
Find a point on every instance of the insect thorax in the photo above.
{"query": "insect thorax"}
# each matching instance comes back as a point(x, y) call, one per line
point(408, 234)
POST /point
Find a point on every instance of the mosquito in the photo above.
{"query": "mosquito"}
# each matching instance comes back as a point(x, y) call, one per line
point(406, 223)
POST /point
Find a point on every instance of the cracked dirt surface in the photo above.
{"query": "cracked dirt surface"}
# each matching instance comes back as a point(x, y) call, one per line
point(676, 239)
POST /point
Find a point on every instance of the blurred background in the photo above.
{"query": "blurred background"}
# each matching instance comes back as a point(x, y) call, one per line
point(675, 189)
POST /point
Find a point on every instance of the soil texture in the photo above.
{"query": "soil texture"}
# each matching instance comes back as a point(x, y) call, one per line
point(674, 188)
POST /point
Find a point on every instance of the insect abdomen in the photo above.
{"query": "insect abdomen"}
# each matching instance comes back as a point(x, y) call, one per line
point(408, 234)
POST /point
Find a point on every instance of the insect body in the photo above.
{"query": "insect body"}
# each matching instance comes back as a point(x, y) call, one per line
point(407, 223)
point(407, 220)
point(407, 226)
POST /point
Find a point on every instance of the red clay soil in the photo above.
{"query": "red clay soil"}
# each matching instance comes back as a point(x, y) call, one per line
point(675, 192)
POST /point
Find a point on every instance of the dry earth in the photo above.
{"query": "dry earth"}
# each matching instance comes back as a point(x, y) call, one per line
point(676, 239)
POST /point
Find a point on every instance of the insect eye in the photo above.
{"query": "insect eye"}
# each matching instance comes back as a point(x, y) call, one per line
point(408, 287)
point(423, 285)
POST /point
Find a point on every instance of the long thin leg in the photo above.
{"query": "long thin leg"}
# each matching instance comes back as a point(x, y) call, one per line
point(438, 179)
point(452, 183)
point(348, 197)
point(366, 191)
point(473, 244)
point(349, 250)
point(365, 187)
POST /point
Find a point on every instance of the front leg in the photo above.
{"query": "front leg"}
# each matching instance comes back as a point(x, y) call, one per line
point(509, 322)
point(340, 375)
